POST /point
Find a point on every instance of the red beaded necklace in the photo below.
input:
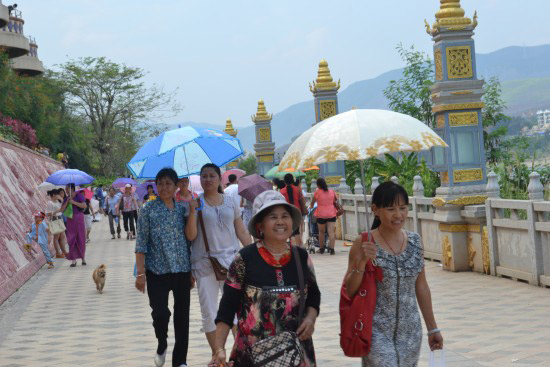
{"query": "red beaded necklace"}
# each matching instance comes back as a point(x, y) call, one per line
point(270, 259)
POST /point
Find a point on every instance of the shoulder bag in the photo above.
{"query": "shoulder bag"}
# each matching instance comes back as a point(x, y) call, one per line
point(283, 349)
point(57, 226)
point(339, 209)
point(219, 270)
point(356, 313)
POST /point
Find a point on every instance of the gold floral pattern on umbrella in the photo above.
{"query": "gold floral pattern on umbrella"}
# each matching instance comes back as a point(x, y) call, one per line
point(366, 133)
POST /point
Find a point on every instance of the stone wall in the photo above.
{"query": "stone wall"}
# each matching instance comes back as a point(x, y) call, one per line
point(21, 171)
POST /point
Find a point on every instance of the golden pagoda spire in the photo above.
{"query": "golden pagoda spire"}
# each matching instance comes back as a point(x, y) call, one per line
point(229, 128)
point(261, 114)
point(451, 16)
point(324, 79)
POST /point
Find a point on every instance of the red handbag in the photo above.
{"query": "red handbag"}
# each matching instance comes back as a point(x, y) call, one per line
point(356, 313)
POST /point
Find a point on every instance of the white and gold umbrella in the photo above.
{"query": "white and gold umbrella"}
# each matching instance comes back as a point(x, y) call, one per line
point(358, 135)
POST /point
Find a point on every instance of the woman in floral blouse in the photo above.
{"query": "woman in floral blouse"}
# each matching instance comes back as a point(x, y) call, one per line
point(262, 285)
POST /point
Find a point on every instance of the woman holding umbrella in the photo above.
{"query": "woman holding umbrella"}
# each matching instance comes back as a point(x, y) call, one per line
point(76, 228)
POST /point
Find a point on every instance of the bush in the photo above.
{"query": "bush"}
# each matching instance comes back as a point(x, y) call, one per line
point(26, 135)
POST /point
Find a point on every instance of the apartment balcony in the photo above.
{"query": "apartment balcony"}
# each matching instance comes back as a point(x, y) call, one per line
point(28, 64)
point(12, 39)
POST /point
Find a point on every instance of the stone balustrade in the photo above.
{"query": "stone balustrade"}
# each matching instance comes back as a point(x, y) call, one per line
point(485, 234)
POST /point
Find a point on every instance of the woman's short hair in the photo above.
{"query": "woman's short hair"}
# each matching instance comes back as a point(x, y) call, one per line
point(169, 173)
point(149, 187)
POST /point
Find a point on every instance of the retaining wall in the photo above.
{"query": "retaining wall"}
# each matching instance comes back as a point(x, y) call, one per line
point(21, 171)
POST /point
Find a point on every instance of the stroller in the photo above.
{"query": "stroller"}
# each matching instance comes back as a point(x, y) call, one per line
point(313, 232)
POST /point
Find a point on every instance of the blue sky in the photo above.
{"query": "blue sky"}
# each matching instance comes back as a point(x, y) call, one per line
point(225, 55)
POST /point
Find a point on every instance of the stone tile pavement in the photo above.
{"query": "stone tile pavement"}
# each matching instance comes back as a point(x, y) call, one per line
point(58, 319)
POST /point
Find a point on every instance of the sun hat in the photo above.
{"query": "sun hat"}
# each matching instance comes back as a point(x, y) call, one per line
point(39, 214)
point(128, 186)
point(266, 200)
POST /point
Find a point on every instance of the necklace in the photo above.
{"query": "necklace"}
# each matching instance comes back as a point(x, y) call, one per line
point(209, 203)
point(273, 253)
point(391, 248)
point(269, 257)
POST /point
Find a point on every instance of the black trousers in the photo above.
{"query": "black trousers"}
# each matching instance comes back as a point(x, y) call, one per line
point(132, 218)
point(158, 288)
point(112, 224)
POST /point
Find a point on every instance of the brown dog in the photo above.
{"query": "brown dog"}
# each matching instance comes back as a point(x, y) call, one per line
point(99, 277)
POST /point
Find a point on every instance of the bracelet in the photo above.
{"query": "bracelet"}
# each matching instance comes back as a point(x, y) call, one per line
point(433, 331)
point(355, 270)
point(140, 275)
point(220, 350)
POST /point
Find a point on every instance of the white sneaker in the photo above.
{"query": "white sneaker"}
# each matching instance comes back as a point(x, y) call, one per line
point(160, 358)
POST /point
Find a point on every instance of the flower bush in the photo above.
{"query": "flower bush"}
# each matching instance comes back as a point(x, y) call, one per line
point(24, 132)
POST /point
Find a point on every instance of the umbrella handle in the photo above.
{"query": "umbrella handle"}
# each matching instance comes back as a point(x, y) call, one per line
point(365, 196)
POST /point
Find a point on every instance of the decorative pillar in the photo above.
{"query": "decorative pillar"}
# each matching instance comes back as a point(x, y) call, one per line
point(325, 101)
point(230, 131)
point(418, 187)
point(535, 188)
point(375, 184)
point(492, 188)
point(343, 188)
point(264, 147)
point(456, 97)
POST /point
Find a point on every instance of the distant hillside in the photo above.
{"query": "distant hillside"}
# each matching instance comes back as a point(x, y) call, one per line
point(523, 71)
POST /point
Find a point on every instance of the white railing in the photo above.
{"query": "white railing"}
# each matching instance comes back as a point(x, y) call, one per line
point(504, 237)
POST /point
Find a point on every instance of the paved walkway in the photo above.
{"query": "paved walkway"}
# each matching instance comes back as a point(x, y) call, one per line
point(58, 319)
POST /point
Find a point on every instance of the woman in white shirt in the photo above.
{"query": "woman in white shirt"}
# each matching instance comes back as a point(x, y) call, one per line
point(53, 213)
point(224, 229)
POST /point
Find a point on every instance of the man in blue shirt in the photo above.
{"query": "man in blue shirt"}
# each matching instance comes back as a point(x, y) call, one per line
point(163, 263)
point(111, 209)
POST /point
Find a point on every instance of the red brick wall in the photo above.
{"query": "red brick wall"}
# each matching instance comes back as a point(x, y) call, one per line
point(21, 171)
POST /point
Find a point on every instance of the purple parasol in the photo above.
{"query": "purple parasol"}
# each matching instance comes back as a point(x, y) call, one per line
point(141, 190)
point(253, 185)
point(123, 181)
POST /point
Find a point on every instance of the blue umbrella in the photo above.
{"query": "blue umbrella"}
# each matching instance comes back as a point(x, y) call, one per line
point(68, 176)
point(186, 150)
point(123, 181)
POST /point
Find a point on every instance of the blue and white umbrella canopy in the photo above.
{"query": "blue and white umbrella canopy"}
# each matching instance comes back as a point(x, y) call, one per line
point(186, 150)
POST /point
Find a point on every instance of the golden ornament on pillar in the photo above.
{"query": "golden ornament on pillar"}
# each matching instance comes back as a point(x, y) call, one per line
point(324, 79)
point(229, 128)
point(261, 113)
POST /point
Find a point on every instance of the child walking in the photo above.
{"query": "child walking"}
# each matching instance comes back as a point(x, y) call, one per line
point(39, 233)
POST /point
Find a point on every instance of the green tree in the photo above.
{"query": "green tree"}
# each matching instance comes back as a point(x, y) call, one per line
point(494, 119)
point(248, 164)
point(40, 102)
point(411, 94)
point(113, 99)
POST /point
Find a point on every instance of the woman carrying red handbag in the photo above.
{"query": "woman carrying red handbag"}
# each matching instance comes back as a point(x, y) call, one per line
point(395, 328)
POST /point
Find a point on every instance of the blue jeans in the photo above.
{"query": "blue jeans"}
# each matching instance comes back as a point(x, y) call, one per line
point(44, 247)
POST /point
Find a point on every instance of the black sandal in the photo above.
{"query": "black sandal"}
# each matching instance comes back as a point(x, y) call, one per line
point(73, 265)
point(84, 263)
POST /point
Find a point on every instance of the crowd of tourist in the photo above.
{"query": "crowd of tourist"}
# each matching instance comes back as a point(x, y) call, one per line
point(254, 261)
point(253, 274)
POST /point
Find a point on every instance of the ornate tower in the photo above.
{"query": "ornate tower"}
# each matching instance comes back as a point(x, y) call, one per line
point(230, 131)
point(264, 147)
point(325, 101)
point(456, 97)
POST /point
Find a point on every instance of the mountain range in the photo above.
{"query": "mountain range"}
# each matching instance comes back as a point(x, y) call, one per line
point(524, 73)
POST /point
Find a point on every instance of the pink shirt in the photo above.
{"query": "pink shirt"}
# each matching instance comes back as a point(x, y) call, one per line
point(325, 203)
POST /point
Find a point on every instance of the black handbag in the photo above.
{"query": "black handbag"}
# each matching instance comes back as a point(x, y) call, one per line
point(284, 349)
